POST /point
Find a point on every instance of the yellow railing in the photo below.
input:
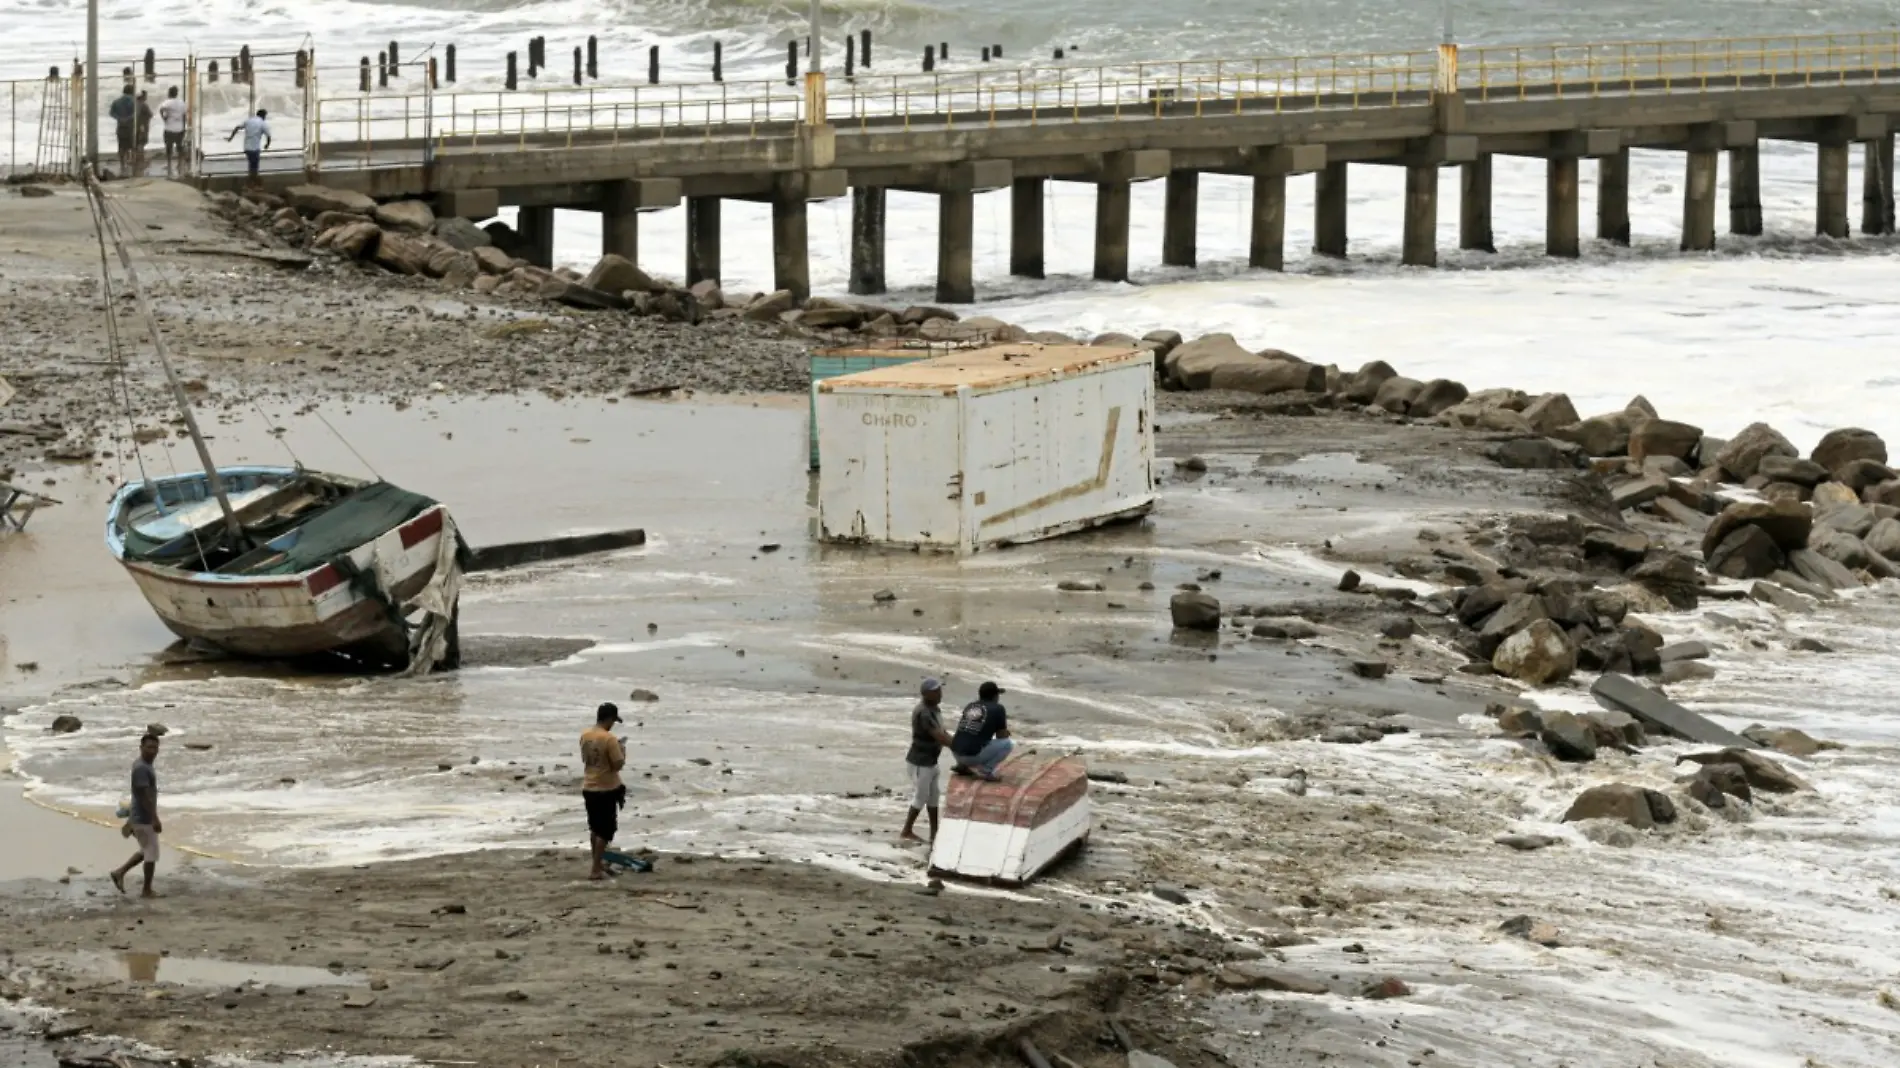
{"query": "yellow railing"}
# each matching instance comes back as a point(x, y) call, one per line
point(1520, 72)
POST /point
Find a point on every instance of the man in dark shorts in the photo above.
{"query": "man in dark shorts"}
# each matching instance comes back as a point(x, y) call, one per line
point(601, 789)
point(927, 739)
point(143, 824)
point(172, 115)
point(982, 738)
point(125, 113)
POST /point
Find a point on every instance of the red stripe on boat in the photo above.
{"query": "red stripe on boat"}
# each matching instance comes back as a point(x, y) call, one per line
point(426, 525)
point(323, 580)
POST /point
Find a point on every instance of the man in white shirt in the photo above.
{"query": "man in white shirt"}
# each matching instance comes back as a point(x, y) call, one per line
point(172, 114)
point(256, 133)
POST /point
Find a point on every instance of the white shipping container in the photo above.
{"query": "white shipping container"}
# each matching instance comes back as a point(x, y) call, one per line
point(974, 449)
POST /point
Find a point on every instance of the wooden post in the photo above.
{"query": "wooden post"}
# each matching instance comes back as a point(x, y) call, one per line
point(579, 67)
point(509, 82)
point(653, 65)
point(382, 70)
point(930, 59)
point(395, 64)
point(864, 48)
point(996, 51)
point(850, 56)
point(244, 58)
point(593, 58)
point(986, 53)
point(449, 55)
point(212, 72)
point(791, 62)
point(151, 66)
point(1058, 54)
point(303, 67)
point(362, 79)
point(943, 51)
point(433, 84)
point(719, 62)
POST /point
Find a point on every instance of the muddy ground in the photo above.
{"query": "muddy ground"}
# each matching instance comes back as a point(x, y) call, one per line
point(511, 958)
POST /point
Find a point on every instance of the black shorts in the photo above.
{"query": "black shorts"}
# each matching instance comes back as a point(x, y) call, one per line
point(126, 133)
point(603, 811)
point(174, 138)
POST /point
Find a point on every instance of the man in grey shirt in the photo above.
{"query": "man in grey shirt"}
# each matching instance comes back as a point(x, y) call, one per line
point(144, 823)
point(927, 739)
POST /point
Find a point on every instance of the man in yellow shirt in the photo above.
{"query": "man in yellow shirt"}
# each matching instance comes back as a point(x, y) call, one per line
point(601, 789)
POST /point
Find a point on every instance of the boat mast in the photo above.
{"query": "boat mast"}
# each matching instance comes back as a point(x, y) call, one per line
point(164, 358)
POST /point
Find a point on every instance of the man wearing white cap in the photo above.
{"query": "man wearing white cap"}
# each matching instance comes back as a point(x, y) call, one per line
point(927, 739)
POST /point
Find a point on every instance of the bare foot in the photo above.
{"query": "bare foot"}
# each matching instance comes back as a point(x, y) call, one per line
point(909, 838)
point(118, 880)
point(596, 875)
point(148, 893)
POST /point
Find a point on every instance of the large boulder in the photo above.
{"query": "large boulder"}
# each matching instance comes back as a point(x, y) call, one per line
point(1795, 743)
point(1885, 493)
point(767, 307)
point(1763, 772)
point(1856, 519)
point(1778, 468)
point(356, 240)
point(1670, 575)
point(1788, 523)
point(1741, 457)
point(1600, 435)
point(1436, 396)
point(1164, 341)
point(579, 295)
point(1517, 612)
point(1884, 538)
point(1538, 454)
point(1397, 394)
point(919, 314)
point(1269, 376)
point(1634, 805)
point(1550, 413)
point(405, 216)
point(1848, 551)
point(1746, 553)
point(1540, 654)
point(1568, 736)
point(1840, 447)
point(401, 253)
point(317, 199)
point(1193, 610)
point(616, 274)
point(1192, 364)
point(493, 260)
point(1364, 384)
point(1822, 571)
point(1857, 475)
point(458, 232)
point(1663, 437)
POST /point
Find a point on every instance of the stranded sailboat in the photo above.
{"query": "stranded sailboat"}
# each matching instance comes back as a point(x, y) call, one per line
point(281, 561)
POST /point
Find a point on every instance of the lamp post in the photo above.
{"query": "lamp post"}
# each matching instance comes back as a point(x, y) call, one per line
point(815, 106)
point(92, 86)
point(1446, 83)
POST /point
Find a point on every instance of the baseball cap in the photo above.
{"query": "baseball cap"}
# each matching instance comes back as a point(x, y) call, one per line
point(989, 690)
point(608, 712)
point(932, 684)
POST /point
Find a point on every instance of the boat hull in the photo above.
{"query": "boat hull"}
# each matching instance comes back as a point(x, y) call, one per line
point(1010, 831)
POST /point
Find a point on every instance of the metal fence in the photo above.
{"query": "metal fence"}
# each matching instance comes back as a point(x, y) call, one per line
point(1507, 72)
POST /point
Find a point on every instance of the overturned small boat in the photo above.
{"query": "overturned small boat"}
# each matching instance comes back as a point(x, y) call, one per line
point(1009, 831)
point(282, 562)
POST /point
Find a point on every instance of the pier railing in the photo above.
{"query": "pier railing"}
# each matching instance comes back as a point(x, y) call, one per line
point(322, 116)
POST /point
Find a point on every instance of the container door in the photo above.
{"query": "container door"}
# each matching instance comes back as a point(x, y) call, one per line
point(892, 468)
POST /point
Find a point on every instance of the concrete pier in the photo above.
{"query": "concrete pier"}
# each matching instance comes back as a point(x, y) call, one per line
point(702, 239)
point(1698, 201)
point(1876, 196)
point(791, 264)
point(867, 240)
point(1613, 197)
point(1025, 227)
point(535, 224)
point(1831, 189)
point(1267, 244)
point(1474, 205)
point(620, 221)
point(1180, 219)
point(956, 226)
point(1561, 207)
point(1744, 190)
point(1112, 200)
point(1329, 211)
point(1420, 242)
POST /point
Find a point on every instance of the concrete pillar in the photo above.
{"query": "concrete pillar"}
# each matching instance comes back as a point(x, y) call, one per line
point(956, 229)
point(620, 222)
point(536, 227)
point(1025, 227)
point(1831, 194)
point(1876, 188)
point(1421, 216)
point(1744, 190)
point(1268, 247)
point(791, 265)
point(1111, 231)
point(1329, 211)
point(1474, 205)
point(867, 239)
point(1698, 202)
point(702, 239)
point(1179, 223)
point(1613, 197)
point(1560, 207)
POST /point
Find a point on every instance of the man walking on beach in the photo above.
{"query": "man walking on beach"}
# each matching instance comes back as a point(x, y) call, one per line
point(982, 738)
point(172, 114)
point(124, 112)
point(256, 133)
point(927, 739)
point(144, 824)
point(601, 789)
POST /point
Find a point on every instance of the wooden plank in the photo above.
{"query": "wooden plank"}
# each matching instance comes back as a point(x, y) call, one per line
point(515, 554)
point(1624, 694)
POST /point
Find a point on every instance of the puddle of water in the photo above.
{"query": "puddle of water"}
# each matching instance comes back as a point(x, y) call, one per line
point(207, 972)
